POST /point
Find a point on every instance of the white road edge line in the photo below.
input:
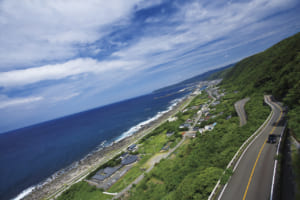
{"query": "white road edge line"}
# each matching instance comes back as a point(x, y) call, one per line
point(275, 165)
point(234, 157)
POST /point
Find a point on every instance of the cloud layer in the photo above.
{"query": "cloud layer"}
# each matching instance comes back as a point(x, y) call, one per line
point(102, 51)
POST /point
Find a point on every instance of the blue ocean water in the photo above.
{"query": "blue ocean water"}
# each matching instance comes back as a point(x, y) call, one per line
point(32, 154)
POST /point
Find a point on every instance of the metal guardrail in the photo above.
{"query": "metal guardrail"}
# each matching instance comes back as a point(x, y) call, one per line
point(214, 191)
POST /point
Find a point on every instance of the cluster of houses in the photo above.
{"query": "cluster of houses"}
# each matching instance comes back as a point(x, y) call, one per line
point(126, 159)
point(209, 127)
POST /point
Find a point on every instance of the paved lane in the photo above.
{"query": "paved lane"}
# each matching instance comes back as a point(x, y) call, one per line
point(239, 107)
point(252, 178)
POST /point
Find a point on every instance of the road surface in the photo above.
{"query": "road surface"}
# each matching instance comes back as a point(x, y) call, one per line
point(252, 178)
point(239, 107)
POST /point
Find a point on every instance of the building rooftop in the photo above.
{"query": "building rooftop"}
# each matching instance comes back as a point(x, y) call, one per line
point(169, 134)
point(129, 159)
point(131, 147)
point(105, 173)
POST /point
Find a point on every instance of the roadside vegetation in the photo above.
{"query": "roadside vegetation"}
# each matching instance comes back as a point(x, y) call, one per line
point(148, 146)
point(194, 170)
point(275, 71)
point(83, 190)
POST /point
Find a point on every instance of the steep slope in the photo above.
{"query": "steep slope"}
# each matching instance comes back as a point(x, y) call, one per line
point(275, 71)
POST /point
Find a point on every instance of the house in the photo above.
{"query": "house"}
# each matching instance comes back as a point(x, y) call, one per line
point(201, 130)
point(195, 107)
point(129, 159)
point(201, 119)
point(196, 128)
point(189, 121)
point(215, 103)
point(182, 126)
point(169, 134)
point(209, 127)
point(132, 147)
point(124, 155)
point(102, 174)
point(190, 134)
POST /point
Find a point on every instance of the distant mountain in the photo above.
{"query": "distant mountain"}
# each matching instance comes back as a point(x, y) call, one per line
point(210, 75)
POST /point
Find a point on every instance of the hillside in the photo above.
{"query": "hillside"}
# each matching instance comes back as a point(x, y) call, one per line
point(274, 71)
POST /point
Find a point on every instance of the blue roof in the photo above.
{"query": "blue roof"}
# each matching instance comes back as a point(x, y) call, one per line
point(129, 159)
point(105, 173)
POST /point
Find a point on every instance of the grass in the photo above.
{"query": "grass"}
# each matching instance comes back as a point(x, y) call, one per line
point(194, 168)
point(148, 148)
point(295, 165)
point(127, 179)
point(153, 144)
point(83, 191)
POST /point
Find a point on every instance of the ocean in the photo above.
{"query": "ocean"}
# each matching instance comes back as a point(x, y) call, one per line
point(30, 155)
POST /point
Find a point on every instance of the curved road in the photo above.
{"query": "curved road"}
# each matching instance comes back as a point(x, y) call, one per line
point(253, 173)
point(239, 107)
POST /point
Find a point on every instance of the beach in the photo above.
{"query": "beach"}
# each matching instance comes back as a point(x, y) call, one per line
point(63, 179)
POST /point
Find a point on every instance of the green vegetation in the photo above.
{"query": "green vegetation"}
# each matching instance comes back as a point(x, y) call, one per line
point(196, 167)
point(81, 191)
point(294, 121)
point(296, 169)
point(275, 71)
point(146, 149)
point(228, 173)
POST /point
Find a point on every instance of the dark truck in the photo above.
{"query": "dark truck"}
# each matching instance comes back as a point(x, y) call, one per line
point(271, 139)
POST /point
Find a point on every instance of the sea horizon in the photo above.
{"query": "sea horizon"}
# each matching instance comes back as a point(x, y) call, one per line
point(151, 106)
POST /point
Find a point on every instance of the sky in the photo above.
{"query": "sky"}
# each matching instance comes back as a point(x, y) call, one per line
point(59, 57)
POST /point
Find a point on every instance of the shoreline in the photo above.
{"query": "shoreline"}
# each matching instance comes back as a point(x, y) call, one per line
point(78, 170)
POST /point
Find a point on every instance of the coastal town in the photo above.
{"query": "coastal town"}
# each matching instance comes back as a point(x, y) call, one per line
point(149, 100)
point(134, 154)
point(197, 112)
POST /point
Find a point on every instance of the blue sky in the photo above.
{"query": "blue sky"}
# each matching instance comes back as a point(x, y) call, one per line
point(61, 57)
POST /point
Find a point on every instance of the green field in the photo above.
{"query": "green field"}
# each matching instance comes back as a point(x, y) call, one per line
point(83, 191)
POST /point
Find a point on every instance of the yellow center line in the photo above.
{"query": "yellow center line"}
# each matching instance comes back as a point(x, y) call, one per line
point(253, 169)
point(241, 115)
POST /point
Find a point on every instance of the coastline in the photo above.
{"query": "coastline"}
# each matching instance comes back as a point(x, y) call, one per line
point(77, 171)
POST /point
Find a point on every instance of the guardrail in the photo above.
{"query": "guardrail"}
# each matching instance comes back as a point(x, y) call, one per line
point(214, 191)
point(276, 162)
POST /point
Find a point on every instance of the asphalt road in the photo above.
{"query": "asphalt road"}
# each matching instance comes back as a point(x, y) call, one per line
point(239, 107)
point(252, 178)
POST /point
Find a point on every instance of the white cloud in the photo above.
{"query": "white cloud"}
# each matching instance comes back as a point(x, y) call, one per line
point(79, 22)
point(46, 30)
point(66, 97)
point(197, 25)
point(59, 71)
point(7, 102)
